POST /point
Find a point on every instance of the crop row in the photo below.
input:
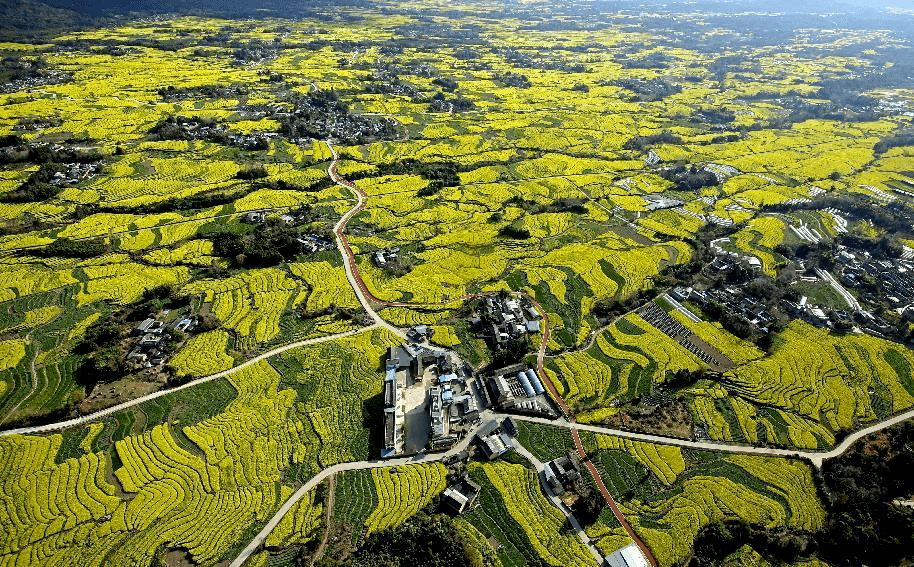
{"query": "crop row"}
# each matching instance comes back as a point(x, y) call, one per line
point(403, 492)
point(333, 403)
point(194, 253)
point(300, 525)
point(621, 363)
point(125, 282)
point(355, 499)
point(204, 354)
point(11, 353)
point(668, 510)
point(198, 490)
point(664, 461)
point(249, 303)
point(328, 285)
point(542, 523)
point(821, 386)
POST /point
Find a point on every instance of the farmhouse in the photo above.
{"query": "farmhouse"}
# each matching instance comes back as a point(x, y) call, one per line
point(461, 496)
point(494, 440)
point(311, 243)
point(562, 472)
point(419, 333)
point(186, 324)
point(151, 340)
point(436, 412)
point(392, 418)
point(149, 326)
point(519, 389)
point(385, 256)
point(505, 319)
point(503, 395)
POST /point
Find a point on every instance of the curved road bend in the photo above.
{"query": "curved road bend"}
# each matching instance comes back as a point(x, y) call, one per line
point(816, 457)
point(358, 284)
point(539, 467)
point(342, 244)
point(113, 409)
point(319, 477)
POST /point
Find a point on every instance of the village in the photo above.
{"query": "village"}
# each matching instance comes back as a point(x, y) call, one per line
point(151, 344)
point(844, 287)
point(432, 398)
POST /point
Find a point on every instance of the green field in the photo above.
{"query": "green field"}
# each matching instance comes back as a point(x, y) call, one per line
point(184, 166)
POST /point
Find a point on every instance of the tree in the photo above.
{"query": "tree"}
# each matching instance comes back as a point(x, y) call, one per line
point(251, 172)
point(422, 541)
point(589, 504)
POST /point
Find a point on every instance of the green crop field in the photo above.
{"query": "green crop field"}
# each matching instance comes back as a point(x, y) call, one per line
point(288, 191)
point(669, 494)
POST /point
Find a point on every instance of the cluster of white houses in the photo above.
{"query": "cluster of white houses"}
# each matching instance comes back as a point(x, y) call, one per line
point(148, 351)
point(517, 388)
point(506, 318)
point(419, 374)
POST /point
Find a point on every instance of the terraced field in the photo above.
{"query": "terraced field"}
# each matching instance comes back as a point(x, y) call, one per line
point(140, 479)
point(625, 361)
point(668, 494)
point(181, 167)
point(825, 384)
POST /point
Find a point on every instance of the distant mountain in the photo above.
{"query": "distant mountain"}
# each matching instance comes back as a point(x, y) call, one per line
point(223, 7)
point(28, 19)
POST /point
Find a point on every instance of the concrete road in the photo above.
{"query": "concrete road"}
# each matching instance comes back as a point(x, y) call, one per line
point(113, 409)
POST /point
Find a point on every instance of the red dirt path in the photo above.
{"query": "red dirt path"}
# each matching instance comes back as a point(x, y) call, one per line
point(350, 257)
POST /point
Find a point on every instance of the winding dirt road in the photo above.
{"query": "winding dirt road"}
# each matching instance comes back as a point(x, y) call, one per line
point(367, 300)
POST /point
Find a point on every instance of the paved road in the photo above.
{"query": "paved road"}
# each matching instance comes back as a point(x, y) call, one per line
point(816, 457)
point(317, 479)
point(113, 409)
point(342, 244)
point(366, 299)
point(846, 295)
point(679, 307)
point(572, 521)
point(358, 284)
point(857, 435)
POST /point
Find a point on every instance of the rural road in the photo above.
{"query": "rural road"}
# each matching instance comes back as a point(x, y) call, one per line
point(539, 467)
point(321, 476)
point(113, 409)
point(846, 295)
point(816, 457)
point(342, 245)
point(366, 299)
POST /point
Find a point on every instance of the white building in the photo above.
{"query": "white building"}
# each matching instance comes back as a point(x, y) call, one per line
point(628, 556)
